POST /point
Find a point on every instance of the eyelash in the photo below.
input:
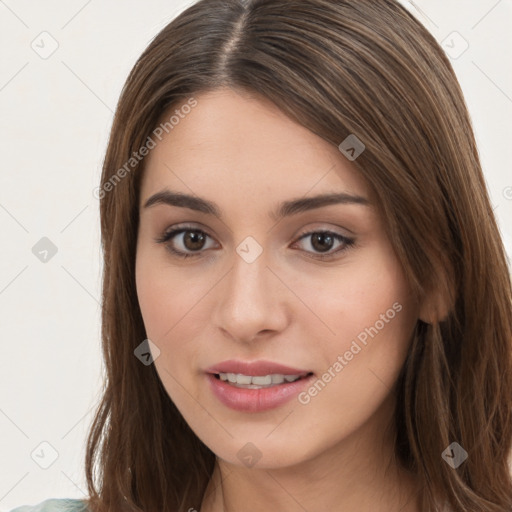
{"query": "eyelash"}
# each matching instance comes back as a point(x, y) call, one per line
point(167, 236)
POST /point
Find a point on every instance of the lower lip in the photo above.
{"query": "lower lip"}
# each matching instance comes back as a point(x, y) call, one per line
point(256, 400)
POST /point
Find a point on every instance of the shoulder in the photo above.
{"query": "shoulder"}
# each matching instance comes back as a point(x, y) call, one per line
point(55, 505)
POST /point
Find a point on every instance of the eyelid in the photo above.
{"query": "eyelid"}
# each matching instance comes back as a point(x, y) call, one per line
point(176, 230)
point(326, 227)
point(187, 226)
point(306, 231)
point(346, 242)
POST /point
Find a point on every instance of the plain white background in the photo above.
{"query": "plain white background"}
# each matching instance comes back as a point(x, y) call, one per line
point(56, 113)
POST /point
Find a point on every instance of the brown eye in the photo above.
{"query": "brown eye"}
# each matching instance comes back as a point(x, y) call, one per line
point(194, 240)
point(322, 243)
point(190, 241)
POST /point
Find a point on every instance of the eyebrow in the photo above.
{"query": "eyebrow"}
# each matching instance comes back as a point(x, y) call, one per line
point(285, 209)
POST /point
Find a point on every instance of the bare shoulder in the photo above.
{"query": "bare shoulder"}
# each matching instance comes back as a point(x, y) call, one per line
point(55, 505)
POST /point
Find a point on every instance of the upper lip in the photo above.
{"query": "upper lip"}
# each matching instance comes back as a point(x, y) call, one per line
point(255, 368)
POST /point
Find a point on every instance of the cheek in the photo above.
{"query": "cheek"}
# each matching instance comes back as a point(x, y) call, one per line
point(167, 310)
point(367, 307)
point(165, 295)
point(174, 309)
point(368, 292)
point(154, 299)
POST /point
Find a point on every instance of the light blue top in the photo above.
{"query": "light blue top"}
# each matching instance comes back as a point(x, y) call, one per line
point(55, 505)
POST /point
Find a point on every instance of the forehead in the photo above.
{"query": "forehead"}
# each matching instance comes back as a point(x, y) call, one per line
point(235, 142)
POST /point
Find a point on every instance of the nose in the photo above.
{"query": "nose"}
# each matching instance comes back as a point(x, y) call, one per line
point(250, 301)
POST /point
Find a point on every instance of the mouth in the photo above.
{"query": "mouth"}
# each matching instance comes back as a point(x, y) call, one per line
point(239, 380)
point(257, 393)
point(256, 386)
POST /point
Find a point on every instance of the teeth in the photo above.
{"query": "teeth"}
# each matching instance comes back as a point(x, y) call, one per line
point(257, 382)
point(277, 379)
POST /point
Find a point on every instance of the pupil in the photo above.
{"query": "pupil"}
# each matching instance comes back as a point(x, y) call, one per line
point(322, 238)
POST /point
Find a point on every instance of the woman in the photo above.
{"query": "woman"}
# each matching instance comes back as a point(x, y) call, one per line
point(306, 301)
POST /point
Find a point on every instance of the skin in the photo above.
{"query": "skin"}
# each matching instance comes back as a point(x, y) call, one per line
point(335, 452)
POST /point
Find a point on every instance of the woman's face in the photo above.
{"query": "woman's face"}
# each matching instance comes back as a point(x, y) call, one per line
point(277, 285)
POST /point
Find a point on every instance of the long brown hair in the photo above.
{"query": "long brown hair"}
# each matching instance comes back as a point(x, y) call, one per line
point(337, 67)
